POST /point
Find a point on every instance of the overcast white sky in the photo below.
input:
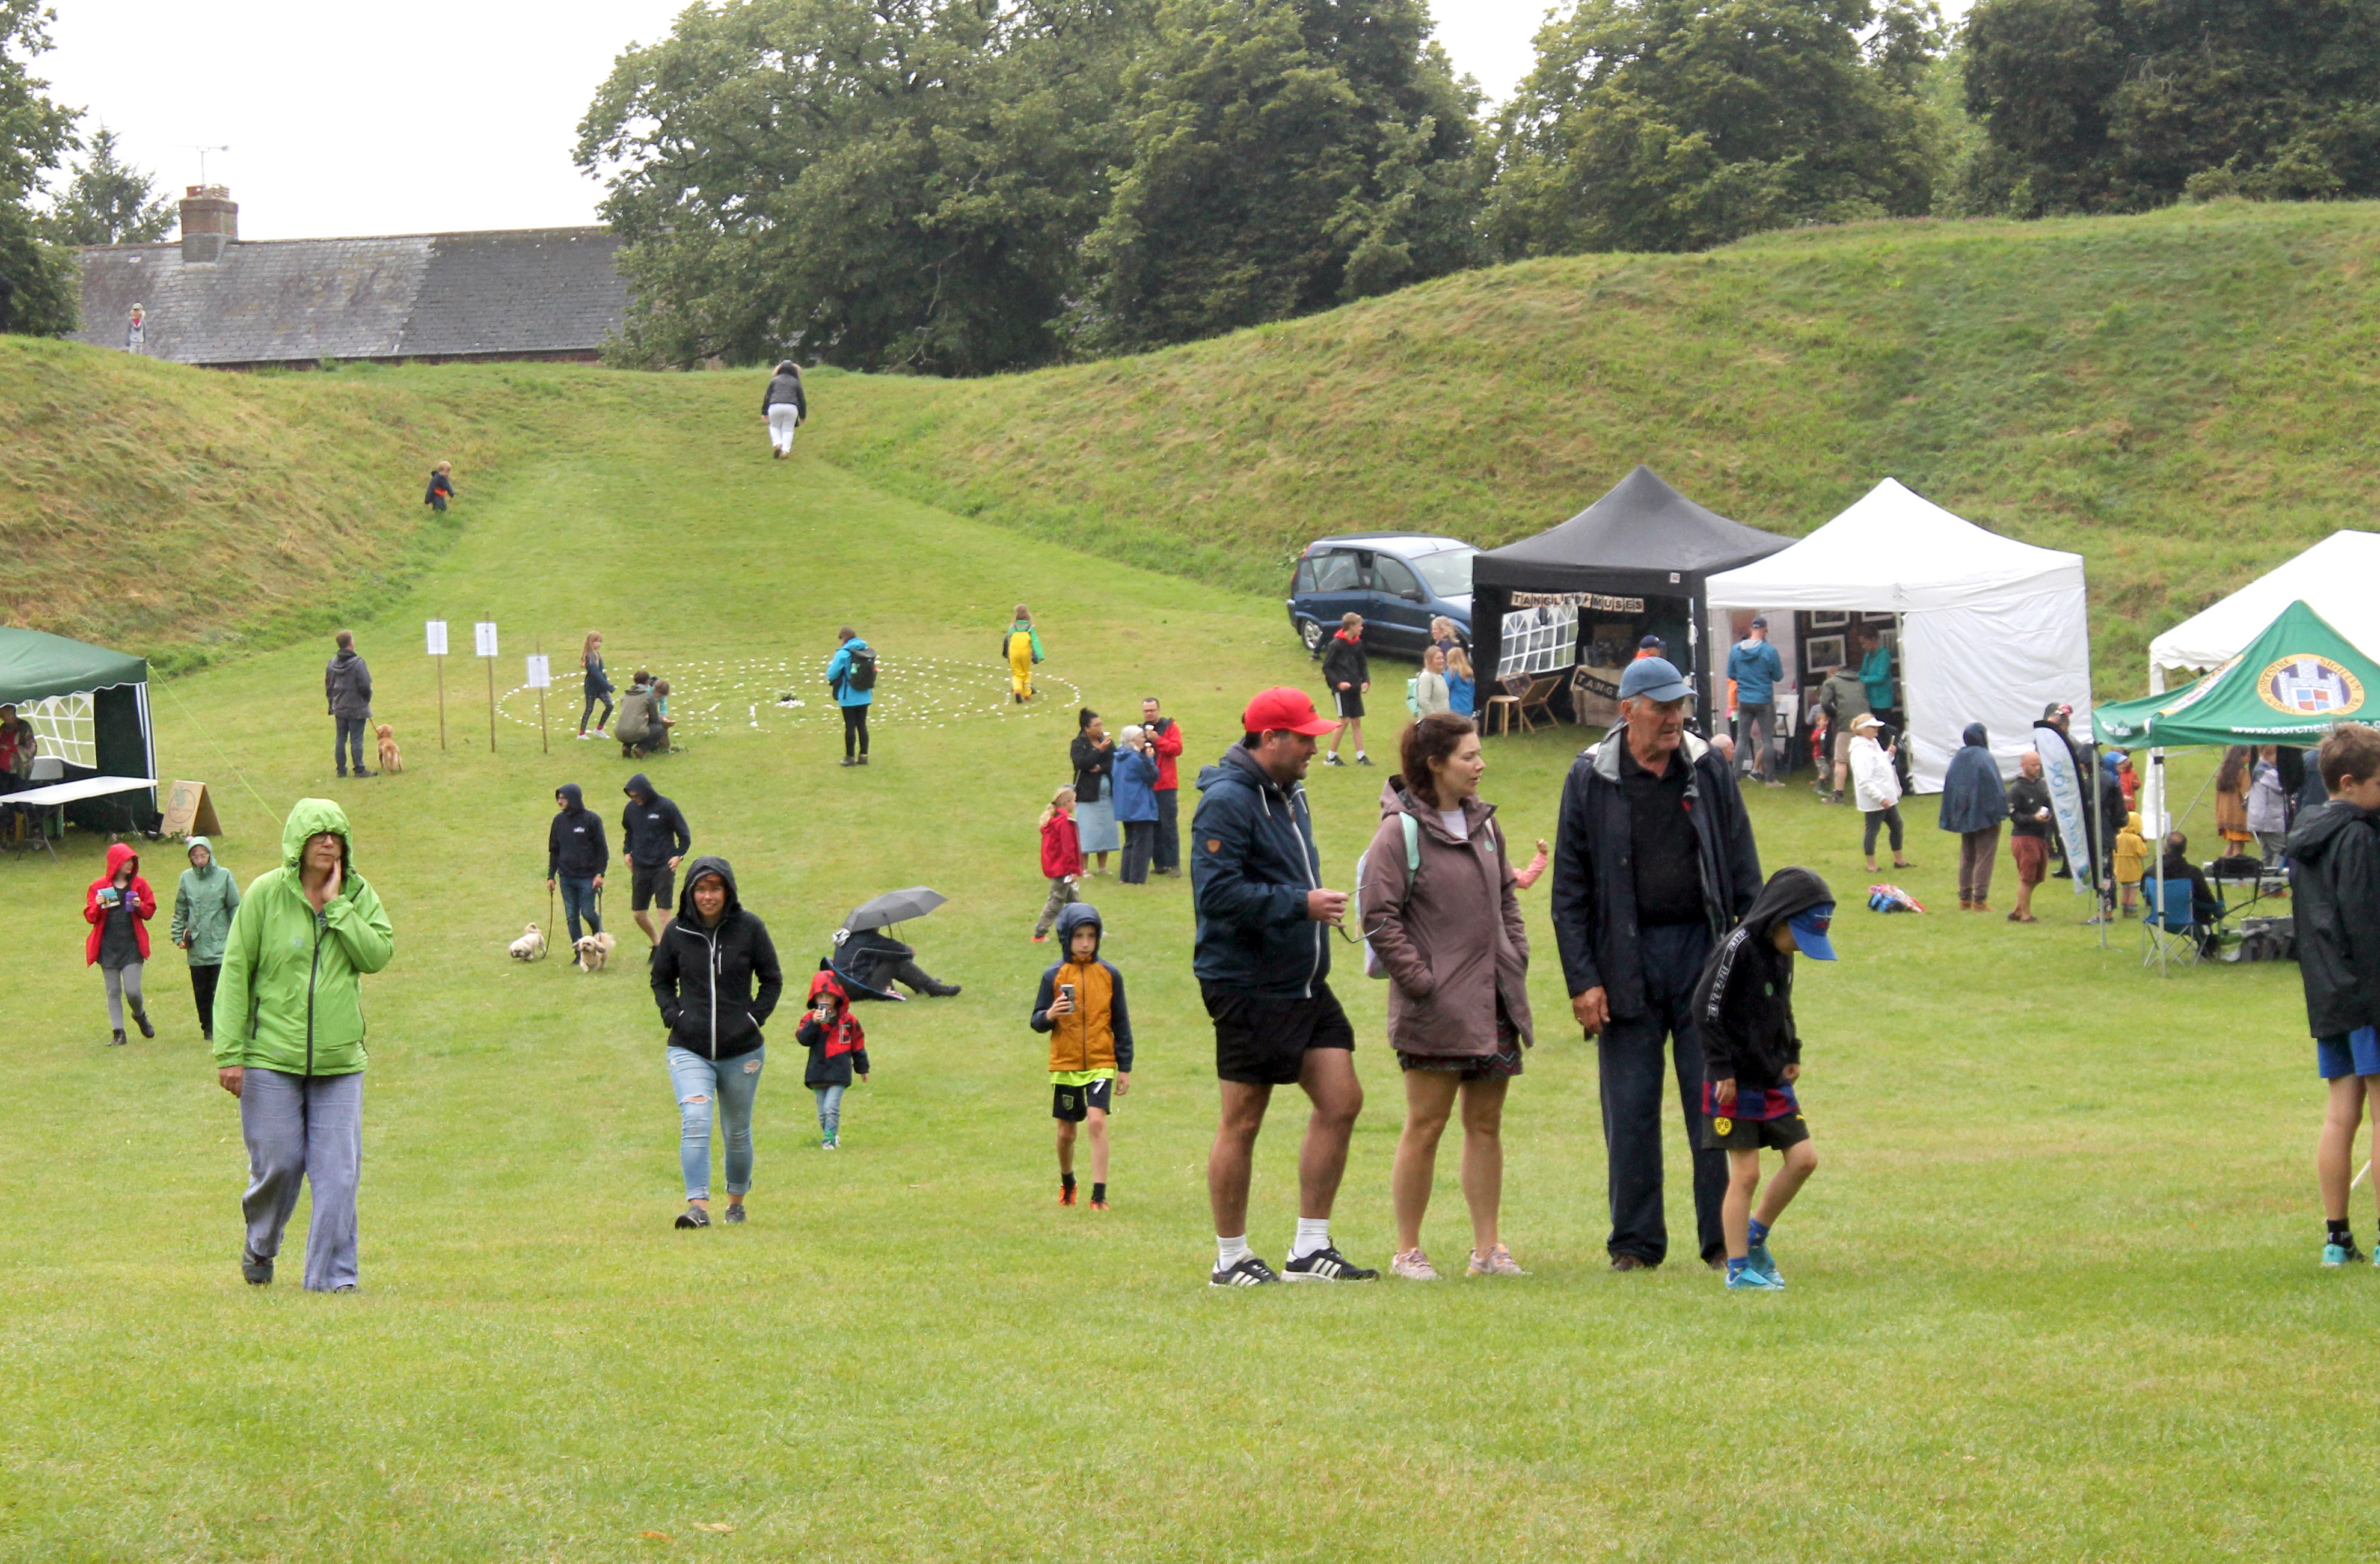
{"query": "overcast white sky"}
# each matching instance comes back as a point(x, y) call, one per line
point(431, 116)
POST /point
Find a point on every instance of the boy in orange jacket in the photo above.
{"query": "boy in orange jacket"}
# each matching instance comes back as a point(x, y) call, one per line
point(1081, 1006)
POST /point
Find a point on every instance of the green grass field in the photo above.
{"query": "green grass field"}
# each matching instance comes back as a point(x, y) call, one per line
point(2054, 1289)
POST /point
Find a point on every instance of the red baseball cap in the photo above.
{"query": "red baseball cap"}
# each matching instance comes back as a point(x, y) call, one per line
point(1283, 707)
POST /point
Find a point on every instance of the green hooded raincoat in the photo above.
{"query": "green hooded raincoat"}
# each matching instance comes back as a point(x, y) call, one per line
point(291, 998)
point(203, 903)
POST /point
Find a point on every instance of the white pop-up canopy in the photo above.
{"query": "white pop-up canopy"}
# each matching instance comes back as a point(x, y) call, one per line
point(1992, 630)
point(2339, 578)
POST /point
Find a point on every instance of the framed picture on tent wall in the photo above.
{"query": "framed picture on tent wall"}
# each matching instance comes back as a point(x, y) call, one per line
point(1829, 619)
point(1823, 653)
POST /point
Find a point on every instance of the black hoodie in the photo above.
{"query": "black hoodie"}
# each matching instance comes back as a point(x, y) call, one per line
point(651, 830)
point(703, 978)
point(575, 848)
point(2334, 896)
point(1744, 1002)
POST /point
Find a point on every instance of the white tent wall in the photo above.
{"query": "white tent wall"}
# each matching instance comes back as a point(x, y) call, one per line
point(2000, 666)
point(2339, 578)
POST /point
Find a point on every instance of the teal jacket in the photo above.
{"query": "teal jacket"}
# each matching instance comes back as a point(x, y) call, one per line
point(292, 997)
point(203, 904)
point(1876, 672)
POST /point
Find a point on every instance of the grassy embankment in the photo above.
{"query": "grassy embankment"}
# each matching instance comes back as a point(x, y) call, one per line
point(2054, 1291)
point(2186, 398)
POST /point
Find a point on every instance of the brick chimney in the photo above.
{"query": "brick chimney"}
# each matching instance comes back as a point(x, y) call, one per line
point(210, 223)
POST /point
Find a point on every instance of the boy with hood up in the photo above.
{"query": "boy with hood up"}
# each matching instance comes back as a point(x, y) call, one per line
point(204, 900)
point(1751, 1055)
point(1081, 1006)
point(2333, 854)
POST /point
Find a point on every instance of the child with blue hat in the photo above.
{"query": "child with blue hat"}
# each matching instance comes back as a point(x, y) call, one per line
point(1751, 1055)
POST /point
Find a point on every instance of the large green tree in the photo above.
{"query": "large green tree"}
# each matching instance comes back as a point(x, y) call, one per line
point(2116, 105)
point(1285, 156)
point(44, 285)
point(108, 202)
point(1674, 125)
point(888, 184)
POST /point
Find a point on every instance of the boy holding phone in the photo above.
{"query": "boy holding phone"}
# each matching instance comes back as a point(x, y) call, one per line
point(1081, 1006)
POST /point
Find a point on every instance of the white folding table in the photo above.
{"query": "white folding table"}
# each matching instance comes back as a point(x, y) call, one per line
point(58, 796)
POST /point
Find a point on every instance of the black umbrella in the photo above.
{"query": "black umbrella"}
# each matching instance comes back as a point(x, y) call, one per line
point(895, 906)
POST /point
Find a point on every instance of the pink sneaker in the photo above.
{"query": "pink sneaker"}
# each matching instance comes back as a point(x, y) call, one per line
point(1414, 1266)
point(1498, 1261)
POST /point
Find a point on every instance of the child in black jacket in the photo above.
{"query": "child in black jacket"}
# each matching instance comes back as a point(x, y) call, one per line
point(2333, 854)
point(838, 1050)
point(1751, 1055)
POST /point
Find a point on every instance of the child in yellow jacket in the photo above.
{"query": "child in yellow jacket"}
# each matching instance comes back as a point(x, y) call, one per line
point(1081, 1006)
point(2132, 860)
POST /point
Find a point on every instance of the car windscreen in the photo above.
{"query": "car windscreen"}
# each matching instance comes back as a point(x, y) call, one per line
point(1447, 574)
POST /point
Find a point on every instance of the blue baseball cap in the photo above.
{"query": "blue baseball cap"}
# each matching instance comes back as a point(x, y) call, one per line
point(1809, 927)
point(1655, 678)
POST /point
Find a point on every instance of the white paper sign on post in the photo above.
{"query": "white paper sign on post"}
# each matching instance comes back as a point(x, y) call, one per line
point(436, 635)
point(541, 674)
point(483, 638)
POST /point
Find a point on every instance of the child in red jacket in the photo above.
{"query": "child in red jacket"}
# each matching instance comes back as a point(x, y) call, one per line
point(838, 1050)
point(1062, 859)
point(118, 906)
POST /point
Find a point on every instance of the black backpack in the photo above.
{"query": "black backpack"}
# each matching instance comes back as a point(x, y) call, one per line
point(861, 675)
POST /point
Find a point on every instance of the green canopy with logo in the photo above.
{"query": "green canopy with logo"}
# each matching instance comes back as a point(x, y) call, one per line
point(2285, 686)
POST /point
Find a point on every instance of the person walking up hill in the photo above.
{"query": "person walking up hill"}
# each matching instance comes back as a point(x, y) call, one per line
point(290, 1045)
point(784, 406)
point(1020, 647)
point(347, 691)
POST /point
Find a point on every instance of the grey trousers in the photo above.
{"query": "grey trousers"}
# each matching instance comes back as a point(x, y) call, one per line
point(310, 1129)
point(123, 983)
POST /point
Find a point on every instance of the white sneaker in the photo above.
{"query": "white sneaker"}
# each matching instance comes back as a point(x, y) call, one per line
point(1414, 1266)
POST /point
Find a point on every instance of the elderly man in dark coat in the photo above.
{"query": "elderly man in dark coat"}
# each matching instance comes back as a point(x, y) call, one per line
point(1656, 863)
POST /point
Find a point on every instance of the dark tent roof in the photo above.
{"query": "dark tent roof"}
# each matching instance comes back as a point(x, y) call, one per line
point(35, 665)
point(1642, 539)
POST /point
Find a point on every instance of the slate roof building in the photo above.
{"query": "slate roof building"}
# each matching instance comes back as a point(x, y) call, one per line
point(208, 299)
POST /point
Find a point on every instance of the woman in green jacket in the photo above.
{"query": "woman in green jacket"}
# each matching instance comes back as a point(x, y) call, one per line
point(203, 904)
point(290, 1040)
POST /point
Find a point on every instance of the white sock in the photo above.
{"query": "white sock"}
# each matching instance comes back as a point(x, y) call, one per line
point(1313, 1234)
point(1230, 1252)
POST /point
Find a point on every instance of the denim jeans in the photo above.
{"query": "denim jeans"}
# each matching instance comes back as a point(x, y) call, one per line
point(830, 1107)
point(310, 1129)
point(577, 902)
point(1169, 831)
point(349, 736)
point(729, 1084)
point(1631, 1059)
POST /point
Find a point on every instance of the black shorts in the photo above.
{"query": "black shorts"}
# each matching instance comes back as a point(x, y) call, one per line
point(1073, 1104)
point(1722, 1134)
point(650, 885)
point(1350, 704)
point(1263, 1042)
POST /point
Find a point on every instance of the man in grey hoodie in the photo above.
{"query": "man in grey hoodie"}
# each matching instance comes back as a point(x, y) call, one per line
point(346, 691)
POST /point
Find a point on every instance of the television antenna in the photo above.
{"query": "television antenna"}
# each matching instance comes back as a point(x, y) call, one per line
point(203, 153)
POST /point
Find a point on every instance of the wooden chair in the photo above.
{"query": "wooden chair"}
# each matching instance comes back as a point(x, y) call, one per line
point(1498, 716)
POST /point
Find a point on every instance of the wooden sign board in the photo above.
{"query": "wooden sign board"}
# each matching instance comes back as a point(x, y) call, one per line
point(189, 812)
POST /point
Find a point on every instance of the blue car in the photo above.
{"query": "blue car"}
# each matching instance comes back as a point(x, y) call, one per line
point(1398, 581)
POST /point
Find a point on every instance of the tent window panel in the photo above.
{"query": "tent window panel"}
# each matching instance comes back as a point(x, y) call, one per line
point(1538, 640)
point(63, 724)
point(1337, 573)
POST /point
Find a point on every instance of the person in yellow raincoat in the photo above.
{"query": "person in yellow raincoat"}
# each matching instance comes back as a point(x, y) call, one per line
point(2132, 858)
point(1020, 644)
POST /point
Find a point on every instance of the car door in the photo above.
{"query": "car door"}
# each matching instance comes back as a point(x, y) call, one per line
point(1338, 582)
point(1397, 617)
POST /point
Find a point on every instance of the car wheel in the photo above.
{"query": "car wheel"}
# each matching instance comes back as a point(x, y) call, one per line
point(1310, 631)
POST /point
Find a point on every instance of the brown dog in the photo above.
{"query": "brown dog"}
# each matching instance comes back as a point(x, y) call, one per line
point(594, 949)
point(391, 759)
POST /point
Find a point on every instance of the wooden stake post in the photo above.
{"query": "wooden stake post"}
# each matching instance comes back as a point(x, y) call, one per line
point(483, 638)
point(540, 675)
point(436, 635)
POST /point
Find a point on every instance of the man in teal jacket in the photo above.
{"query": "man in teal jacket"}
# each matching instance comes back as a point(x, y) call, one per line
point(1756, 669)
point(289, 1041)
point(851, 674)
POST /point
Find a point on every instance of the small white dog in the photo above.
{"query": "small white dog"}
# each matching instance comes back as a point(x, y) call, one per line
point(529, 946)
point(594, 949)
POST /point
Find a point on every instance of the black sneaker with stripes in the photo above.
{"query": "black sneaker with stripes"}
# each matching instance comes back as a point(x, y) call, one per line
point(1247, 1271)
point(1325, 1264)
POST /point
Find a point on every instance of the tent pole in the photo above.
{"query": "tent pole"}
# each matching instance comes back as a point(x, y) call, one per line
point(2099, 825)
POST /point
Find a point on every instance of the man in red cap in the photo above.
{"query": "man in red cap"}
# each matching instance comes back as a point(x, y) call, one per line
point(1263, 962)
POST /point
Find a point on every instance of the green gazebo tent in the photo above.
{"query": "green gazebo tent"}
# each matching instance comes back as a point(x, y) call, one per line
point(35, 665)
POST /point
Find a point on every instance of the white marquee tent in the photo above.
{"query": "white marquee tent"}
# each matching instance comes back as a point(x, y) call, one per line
point(2339, 578)
point(1992, 630)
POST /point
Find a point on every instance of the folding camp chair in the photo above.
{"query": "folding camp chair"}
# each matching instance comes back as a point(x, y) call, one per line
point(1536, 694)
point(2172, 937)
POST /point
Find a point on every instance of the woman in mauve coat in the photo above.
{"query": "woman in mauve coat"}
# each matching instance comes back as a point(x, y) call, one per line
point(1450, 937)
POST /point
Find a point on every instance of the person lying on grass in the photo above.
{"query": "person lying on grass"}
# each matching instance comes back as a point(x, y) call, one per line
point(1751, 1055)
point(1081, 1006)
point(2334, 856)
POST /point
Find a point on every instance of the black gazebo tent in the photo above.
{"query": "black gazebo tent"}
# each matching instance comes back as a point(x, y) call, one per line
point(35, 665)
point(1638, 557)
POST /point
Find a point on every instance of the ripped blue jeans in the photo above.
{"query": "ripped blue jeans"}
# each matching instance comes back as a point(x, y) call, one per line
point(729, 1085)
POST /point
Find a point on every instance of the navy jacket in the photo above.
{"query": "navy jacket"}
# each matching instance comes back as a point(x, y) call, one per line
point(575, 848)
point(1595, 884)
point(2333, 883)
point(653, 831)
point(1252, 861)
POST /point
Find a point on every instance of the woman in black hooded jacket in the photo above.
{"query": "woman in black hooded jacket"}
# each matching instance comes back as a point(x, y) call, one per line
point(1973, 804)
point(784, 406)
point(716, 978)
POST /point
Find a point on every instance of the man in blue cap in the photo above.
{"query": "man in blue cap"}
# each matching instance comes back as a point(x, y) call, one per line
point(1656, 863)
point(1751, 1056)
point(1756, 669)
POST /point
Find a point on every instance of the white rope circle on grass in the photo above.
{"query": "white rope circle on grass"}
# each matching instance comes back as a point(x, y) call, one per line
point(722, 697)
